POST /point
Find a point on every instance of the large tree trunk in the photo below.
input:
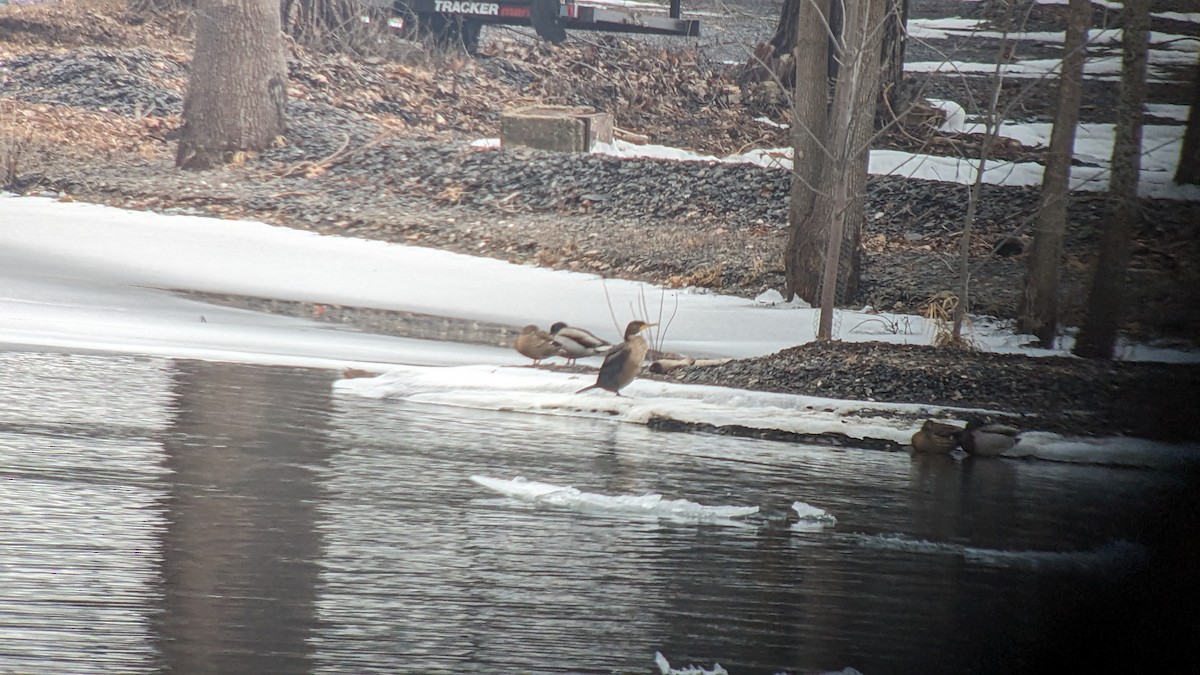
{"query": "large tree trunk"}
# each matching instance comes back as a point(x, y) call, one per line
point(1188, 172)
point(237, 84)
point(810, 156)
point(1038, 314)
point(831, 161)
point(773, 60)
point(1098, 335)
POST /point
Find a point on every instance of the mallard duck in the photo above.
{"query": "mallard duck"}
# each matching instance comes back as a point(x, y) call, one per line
point(537, 344)
point(577, 343)
point(623, 362)
point(980, 439)
point(935, 438)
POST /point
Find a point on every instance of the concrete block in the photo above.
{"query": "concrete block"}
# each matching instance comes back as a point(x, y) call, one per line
point(558, 128)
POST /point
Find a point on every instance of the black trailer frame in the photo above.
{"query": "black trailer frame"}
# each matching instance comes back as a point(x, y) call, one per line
point(461, 20)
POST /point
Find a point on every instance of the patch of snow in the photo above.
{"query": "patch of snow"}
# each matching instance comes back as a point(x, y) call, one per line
point(637, 506)
point(942, 28)
point(770, 122)
point(769, 298)
point(1113, 451)
point(1104, 68)
point(1188, 17)
point(956, 115)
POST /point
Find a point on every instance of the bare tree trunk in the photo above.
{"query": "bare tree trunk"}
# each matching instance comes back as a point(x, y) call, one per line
point(992, 131)
point(237, 84)
point(1038, 313)
point(892, 95)
point(1098, 335)
point(810, 116)
point(772, 60)
point(855, 92)
point(1188, 172)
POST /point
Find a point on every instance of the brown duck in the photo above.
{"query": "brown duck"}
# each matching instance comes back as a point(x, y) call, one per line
point(936, 438)
point(623, 362)
point(537, 344)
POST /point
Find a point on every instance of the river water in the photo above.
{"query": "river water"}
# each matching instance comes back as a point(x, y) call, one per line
point(192, 517)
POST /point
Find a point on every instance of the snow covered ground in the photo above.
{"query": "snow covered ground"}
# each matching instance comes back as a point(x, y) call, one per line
point(1160, 146)
point(92, 278)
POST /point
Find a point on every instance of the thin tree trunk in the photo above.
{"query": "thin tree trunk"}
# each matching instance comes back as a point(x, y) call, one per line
point(992, 130)
point(1098, 335)
point(1038, 314)
point(852, 122)
point(892, 96)
point(1188, 172)
point(810, 157)
point(237, 83)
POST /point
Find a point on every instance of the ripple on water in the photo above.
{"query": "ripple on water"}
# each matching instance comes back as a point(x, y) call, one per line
point(81, 511)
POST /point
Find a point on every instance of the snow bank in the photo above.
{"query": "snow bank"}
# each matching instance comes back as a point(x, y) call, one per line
point(540, 392)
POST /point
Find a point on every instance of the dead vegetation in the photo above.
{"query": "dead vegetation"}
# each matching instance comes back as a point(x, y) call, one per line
point(672, 97)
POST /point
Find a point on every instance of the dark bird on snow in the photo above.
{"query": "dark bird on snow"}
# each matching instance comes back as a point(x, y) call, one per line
point(577, 343)
point(537, 344)
point(623, 362)
point(936, 438)
point(980, 439)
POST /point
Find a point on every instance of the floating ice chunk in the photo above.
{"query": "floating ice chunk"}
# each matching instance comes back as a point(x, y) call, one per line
point(811, 517)
point(665, 668)
point(652, 505)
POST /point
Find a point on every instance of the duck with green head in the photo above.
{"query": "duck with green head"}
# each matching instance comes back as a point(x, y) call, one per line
point(981, 439)
point(577, 343)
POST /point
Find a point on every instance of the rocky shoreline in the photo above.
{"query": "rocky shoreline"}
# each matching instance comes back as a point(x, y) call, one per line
point(361, 162)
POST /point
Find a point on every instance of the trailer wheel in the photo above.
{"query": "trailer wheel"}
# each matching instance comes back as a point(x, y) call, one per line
point(544, 16)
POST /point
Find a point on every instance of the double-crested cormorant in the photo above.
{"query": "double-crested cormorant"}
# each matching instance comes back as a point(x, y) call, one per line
point(936, 438)
point(577, 343)
point(537, 344)
point(623, 362)
point(987, 440)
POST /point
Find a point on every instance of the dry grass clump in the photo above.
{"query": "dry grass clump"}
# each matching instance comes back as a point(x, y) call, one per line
point(939, 310)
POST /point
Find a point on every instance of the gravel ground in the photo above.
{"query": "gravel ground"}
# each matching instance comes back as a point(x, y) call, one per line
point(362, 160)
